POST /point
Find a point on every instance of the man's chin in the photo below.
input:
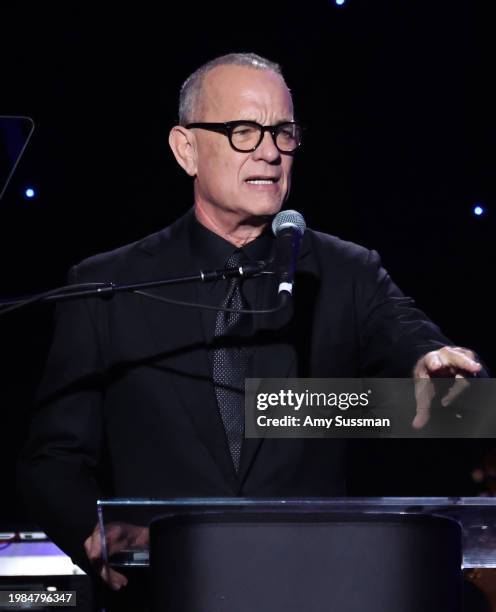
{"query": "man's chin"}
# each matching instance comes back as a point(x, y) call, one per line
point(262, 209)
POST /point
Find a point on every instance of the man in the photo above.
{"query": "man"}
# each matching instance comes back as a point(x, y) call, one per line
point(132, 401)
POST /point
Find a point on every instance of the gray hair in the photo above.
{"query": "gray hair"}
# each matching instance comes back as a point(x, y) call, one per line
point(190, 93)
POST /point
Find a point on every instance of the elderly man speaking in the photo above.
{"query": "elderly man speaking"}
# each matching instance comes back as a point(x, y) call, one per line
point(144, 399)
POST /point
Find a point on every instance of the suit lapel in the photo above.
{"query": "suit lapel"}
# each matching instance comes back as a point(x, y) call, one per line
point(273, 358)
point(179, 342)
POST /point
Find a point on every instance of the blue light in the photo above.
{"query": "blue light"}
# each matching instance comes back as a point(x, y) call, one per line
point(29, 193)
point(340, 2)
point(478, 210)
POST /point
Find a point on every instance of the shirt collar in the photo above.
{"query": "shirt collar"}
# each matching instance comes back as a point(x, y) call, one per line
point(213, 251)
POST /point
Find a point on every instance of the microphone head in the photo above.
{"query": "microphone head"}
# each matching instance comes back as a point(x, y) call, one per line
point(289, 218)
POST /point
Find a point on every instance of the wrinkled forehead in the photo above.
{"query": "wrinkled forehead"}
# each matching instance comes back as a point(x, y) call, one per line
point(241, 92)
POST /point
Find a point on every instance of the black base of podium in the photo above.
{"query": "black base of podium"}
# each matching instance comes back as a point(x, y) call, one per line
point(305, 563)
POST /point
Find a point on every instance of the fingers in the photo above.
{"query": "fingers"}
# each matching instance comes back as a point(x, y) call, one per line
point(434, 361)
point(424, 394)
point(141, 537)
point(116, 538)
point(458, 387)
point(120, 536)
point(93, 548)
point(451, 359)
point(93, 545)
point(114, 579)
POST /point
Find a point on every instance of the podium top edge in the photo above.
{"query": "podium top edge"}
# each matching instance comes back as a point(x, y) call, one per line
point(314, 502)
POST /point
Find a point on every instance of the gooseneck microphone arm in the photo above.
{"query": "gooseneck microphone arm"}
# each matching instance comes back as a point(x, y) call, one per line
point(107, 290)
point(288, 227)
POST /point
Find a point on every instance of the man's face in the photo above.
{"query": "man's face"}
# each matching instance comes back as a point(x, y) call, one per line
point(226, 180)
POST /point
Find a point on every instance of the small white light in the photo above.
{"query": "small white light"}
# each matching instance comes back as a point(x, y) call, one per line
point(30, 193)
point(51, 588)
point(478, 210)
point(340, 2)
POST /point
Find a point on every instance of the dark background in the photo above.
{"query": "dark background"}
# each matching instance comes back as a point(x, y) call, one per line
point(398, 104)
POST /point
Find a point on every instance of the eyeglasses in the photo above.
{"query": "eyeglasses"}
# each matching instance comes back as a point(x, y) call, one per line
point(245, 136)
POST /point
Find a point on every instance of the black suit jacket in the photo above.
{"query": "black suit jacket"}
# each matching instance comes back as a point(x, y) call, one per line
point(127, 406)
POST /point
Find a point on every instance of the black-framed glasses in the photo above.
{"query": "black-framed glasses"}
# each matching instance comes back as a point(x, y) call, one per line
point(245, 136)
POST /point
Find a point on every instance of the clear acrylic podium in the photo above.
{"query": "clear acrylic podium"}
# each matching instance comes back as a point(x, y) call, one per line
point(346, 554)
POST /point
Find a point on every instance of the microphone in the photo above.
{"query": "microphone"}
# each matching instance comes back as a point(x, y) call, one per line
point(249, 269)
point(288, 227)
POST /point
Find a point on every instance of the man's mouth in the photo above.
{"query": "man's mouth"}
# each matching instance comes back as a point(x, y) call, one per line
point(262, 180)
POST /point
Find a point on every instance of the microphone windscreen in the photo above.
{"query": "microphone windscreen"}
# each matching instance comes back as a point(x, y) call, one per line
point(289, 218)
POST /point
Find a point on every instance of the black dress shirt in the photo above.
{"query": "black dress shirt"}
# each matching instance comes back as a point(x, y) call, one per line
point(211, 251)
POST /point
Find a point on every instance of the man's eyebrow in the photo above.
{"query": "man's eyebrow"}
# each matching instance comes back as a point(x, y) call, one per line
point(283, 120)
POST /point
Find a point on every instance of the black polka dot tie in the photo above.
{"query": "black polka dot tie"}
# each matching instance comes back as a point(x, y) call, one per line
point(229, 364)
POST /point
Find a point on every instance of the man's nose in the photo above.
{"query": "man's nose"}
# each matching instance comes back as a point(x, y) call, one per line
point(267, 149)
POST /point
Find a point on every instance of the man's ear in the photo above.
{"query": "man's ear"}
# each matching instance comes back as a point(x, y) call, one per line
point(183, 145)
